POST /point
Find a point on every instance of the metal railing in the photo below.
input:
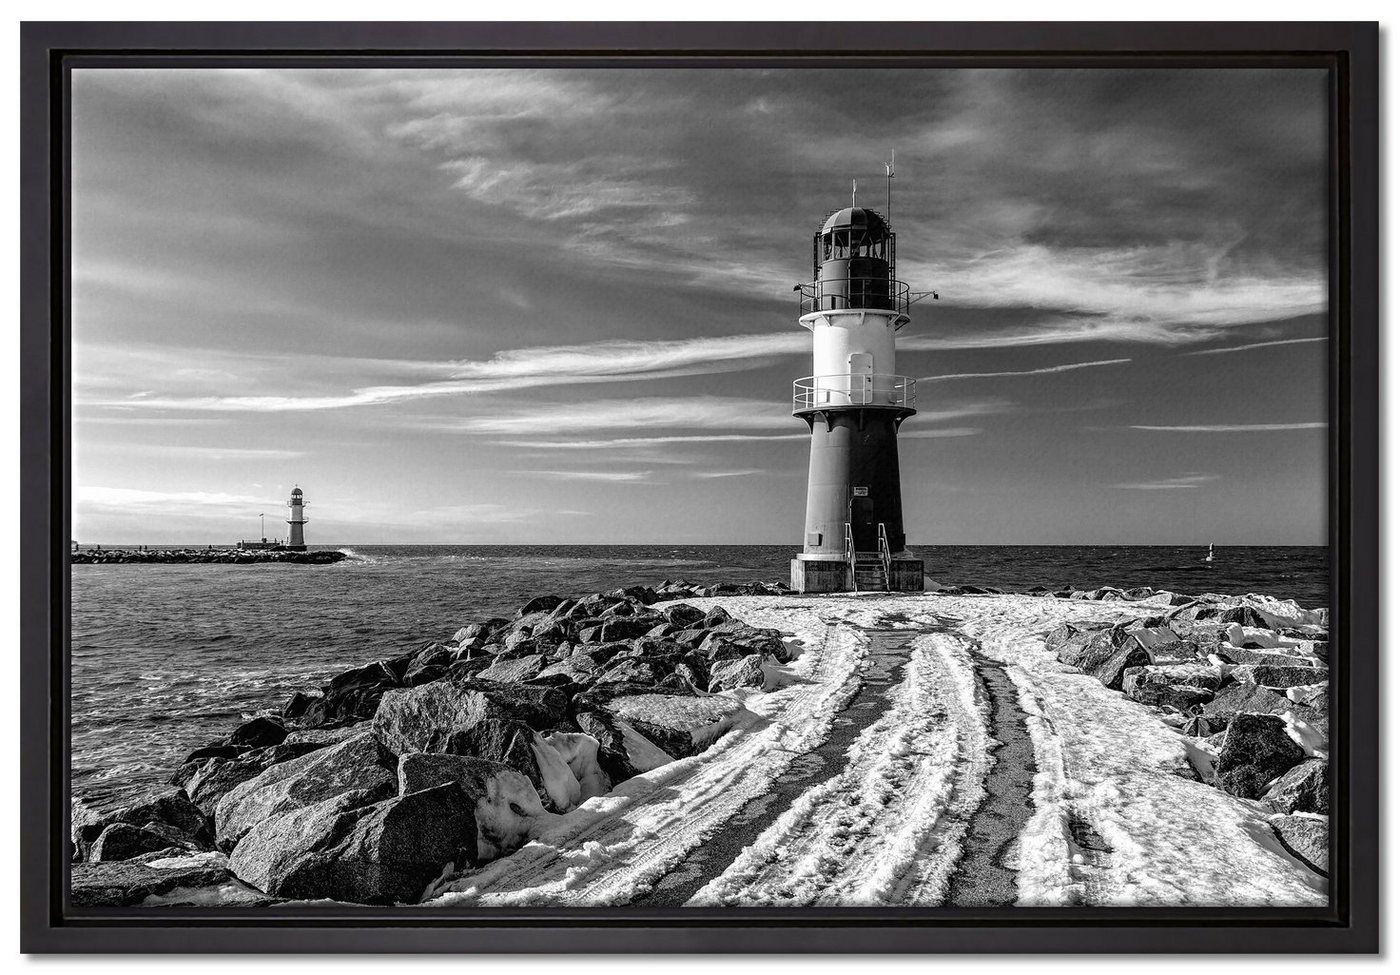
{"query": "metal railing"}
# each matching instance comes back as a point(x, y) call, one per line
point(885, 556)
point(851, 555)
point(843, 294)
point(853, 389)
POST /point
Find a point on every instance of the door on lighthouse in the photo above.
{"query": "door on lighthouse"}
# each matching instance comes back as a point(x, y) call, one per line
point(863, 532)
point(862, 366)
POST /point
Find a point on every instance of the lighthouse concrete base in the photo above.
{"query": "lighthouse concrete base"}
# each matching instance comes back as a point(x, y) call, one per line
point(810, 575)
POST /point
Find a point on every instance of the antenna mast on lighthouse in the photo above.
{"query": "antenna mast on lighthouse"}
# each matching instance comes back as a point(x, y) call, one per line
point(889, 190)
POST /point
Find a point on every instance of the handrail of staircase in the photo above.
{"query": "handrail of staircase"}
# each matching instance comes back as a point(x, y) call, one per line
point(851, 554)
point(885, 556)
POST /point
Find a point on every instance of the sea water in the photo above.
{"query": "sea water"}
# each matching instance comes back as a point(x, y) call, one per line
point(166, 657)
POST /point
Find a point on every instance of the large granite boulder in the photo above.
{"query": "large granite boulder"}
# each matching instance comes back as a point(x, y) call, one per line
point(631, 670)
point(210, 780)
point(680, 724)
point(515, 671)
point(1180, 687)
point(683, 615)
point(619, 628)
point(313, 738)
point(125, 883)
point(1272, 675)
point(504, 805)
point(1247, 698)
point(1245, 655)
point(354, 770)
point(258, 733)
point(1304, 836)
point(429, 664)
point(540, 604)
point(351, 696)
point(575, 670)
point(1257, 749)
point(384, 853)
point(1103, 654)
point(122, 841)
point(169, 807)
point(743, 673)
point(1302, 789)
point(623, 751)
point(426, 719)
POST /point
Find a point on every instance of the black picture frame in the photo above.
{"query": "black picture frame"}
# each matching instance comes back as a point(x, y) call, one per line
point(1349, 924)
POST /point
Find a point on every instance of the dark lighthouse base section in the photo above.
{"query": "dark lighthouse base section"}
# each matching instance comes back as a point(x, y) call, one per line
point(906, 575)
point(853, 480)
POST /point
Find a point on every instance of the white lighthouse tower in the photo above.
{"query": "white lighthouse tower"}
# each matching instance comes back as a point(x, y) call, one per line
point(295, 540)
point(853, 403)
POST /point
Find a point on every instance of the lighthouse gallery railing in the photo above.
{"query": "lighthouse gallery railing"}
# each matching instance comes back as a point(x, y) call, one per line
point(852, 389)
point(845, 294)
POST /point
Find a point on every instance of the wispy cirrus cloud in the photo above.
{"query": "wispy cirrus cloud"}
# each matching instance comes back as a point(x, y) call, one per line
point(615, 476)
point(1181, 482)
point(700, 438)
point(1259, 345)
point(1045, 370)
point(745, 472)
point(114, 497)
point(590, 416)
point(590, 363)
point(1230, 427)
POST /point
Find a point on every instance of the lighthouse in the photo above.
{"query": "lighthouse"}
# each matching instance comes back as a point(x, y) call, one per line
point(853, 404)
point(295, 540)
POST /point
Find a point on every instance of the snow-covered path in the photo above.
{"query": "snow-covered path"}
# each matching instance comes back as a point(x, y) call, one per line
point(948, 759)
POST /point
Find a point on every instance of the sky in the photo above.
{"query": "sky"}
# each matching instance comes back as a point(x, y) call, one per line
point(556, 306)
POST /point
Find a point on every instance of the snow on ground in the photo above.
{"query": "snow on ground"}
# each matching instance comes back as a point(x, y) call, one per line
point(871, 834)
point(1117, 767)
point(888, 827)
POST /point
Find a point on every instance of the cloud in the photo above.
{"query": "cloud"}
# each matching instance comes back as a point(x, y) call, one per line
point(590, 475)
point(589, 416)
point(111, 497)
point(1232, 427)
point(739, 473)
point(1183, 482)
point(907, 434)
point(597, 362)
point(1066, 367)
point(213, 454)
point(1257, 345)
point(654, 441)
point(1172, 293)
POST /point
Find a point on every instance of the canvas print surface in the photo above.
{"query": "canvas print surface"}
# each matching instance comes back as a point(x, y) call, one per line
point(699, 487)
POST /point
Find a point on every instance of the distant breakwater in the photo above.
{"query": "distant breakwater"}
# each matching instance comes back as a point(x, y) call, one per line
point(182, 556)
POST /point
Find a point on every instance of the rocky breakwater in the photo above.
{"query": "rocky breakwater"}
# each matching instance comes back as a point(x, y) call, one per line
point(184, 556)
point(1245, 681)
point(399, 772)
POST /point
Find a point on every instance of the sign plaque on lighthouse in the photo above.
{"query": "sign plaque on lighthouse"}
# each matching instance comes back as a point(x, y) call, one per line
point(854, 403)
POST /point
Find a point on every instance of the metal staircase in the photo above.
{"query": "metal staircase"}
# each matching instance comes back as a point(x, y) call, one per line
point(870, 571)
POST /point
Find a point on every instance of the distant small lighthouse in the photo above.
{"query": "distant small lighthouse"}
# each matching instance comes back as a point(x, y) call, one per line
point(853, 403)
point(295, 539)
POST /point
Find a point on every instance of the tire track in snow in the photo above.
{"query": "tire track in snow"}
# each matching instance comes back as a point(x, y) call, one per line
point(887, 827)
point(800, 792)
point(986, 875)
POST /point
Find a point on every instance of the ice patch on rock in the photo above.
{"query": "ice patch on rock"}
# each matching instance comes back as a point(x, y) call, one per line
point(580, 753)
point(508, 815)
point(559, 782)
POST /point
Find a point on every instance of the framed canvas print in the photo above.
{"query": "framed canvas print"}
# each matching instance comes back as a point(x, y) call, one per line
point(700, 487)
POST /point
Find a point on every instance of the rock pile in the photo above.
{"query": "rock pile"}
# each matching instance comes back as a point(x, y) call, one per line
point(369, 788)
point(1246, 686)
point(182, 556)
